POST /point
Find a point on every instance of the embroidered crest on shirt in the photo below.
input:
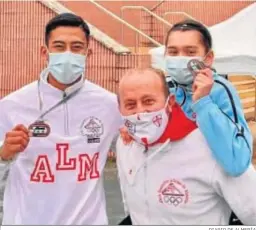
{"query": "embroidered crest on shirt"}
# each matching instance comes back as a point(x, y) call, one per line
point(92, 127)
point(173, 192)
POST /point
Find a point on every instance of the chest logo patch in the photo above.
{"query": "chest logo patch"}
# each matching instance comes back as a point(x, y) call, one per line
point(173, 192)
point(93, 129)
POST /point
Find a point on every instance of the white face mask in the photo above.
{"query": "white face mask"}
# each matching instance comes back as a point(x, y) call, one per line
point(66, 67)
point(147, 128)
point(176, 67)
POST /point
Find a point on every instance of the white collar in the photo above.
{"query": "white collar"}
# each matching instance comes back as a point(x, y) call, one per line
point(46, 87)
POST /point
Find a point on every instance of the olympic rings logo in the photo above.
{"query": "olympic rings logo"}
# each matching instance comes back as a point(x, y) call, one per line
point(173, 199)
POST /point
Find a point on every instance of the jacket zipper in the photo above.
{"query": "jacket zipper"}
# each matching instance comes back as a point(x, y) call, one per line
point(66, 126)
point(145, 185)
point(144, 168)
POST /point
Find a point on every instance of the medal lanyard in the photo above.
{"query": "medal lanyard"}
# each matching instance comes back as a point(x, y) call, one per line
point(62, 101)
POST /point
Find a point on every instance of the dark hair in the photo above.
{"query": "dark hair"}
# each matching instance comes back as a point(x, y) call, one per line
point(66, 19)
point(190, 25)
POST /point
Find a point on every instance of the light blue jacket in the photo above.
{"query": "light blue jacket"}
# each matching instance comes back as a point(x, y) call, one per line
point(221, 119)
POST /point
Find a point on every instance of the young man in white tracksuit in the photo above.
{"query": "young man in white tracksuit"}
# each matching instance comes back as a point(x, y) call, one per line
point(168, 174)
point(56, 133)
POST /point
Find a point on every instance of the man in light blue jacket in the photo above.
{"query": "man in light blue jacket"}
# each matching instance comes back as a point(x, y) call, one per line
point(208, 98)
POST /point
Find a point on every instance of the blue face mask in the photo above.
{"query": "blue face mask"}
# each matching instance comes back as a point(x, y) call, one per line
point(176, 68)
point(66, 67)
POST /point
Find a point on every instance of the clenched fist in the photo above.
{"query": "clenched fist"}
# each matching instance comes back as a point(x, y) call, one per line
point(16, 141)
point(203, 84)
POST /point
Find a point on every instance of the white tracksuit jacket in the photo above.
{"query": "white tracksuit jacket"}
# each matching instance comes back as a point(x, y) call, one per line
point(58, 180)
point(180, 183)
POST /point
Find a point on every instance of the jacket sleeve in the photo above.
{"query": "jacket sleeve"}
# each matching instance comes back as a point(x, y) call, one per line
point(5, 125)
point(4, 165)
point(238, 192)
point(229, 141)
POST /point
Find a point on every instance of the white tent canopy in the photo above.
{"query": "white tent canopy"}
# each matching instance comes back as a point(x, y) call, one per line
point(234, 44)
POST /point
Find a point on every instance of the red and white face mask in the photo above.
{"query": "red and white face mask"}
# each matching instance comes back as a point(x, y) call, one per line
point(147, 128)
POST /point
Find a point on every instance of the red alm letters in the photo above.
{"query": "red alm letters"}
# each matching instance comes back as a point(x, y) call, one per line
point(63, 163)
point(42, 170)
point(87, 166)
